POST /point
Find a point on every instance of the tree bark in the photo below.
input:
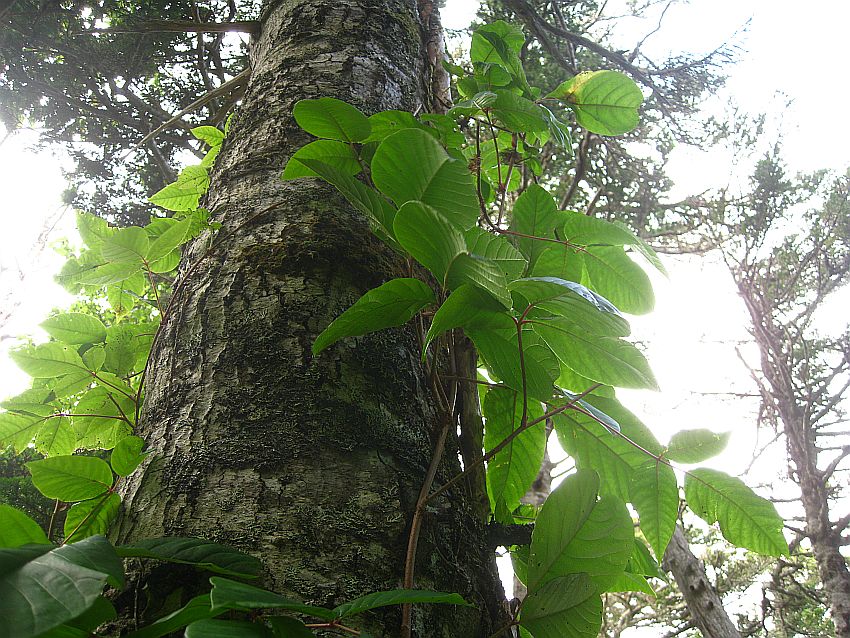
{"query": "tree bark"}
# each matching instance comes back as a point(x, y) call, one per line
point(313, 464)
point(704, 604)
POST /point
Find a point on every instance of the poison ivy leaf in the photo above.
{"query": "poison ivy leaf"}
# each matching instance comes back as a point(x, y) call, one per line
point(499, 43)
point(614, 275)
point(286, 627)
point(511, 472)
point(378, 210)
point(213, 557)
point(91, 517)
point(396, 597)
point(94, 357)
point(562, 516)
point(332, 119)
point(517, 113)
point(120, 350)
point(655, 494)
point(212, 628)
point(643, 563)
point(630, 582)
point(18, 430)
point(166, 244)
point(337, 154)
point(391, 304)
point(746, 519)
point(16, 528)
point(412, 166)
point(502, 359)
point(55, 437)
point(127, 455)
point(102, 611)
point(571, 302)
point(386, 123)
point(101, 274)
point(535, 214)
point(695, 446)
point(481, 272)
point(47, 360)
point(127, 245)
point(228, 594)
point(184, 194)
point(210, 135)
point(102, 418)
point(428, 237)
point(93, 229)
point(605, 102)
point(498, 249)
point(565, 607)
point(71, 478)
point(40, 591)
point(75, 328)
point(583, 230)
point(595, 447)
point(196, 609)
point(468, 306)
point(602, 359)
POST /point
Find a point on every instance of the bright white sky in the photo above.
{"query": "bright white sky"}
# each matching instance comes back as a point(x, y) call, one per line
point(786, 56)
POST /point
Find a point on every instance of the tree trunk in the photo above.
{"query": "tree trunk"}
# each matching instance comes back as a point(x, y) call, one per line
point(313, 464)
point(825, 540)
point(704, 604)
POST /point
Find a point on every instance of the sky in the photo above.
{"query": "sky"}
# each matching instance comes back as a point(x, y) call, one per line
point(790, 64)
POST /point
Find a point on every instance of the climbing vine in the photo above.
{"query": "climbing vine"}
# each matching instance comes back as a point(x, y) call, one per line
point(541, 293)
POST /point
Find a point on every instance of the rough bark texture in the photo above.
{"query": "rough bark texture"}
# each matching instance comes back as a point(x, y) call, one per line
point(704, 605)
point(776, 347)
point(311, 463)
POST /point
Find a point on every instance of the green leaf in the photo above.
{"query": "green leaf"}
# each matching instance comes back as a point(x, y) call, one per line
point(40, 591)
point(210, 135)
point(196, 609)
point(121, 350)
point(565, 607)
point(655, 494)
point(55, 437)
point(228, 594)
point(643, 563)
point(605, 102)
point(103, 274)
point(75, 328)
point(498, 249)
point(91, 517)
point(582, 230)
point(517, 113)
point(511, 472)
point(571, 302)
point(499, 43)
point(535, 214)
point(501, 356)
point(386, 123)
point(47, 360)
point(71, 478)
point(695, 446)
point(18, 430)
point(210, 628)
point(207, 555)
point(391, 304)
point(336, 154)
point(127, 245)
point(104, 425)
point(468, 306)
point(428, 237)
point(167, 242)
point(16, 528)
point(614, 275)
point(594, 447)
point(563, 514)
point(746, 519)
point(101, 612)
point(601, 359)
point(377, 209)
point(481, 272)
point(127, 455)
point(396, 597)
point(286, 627)
point(184, 194)
point(412, 166)
point(332, 119)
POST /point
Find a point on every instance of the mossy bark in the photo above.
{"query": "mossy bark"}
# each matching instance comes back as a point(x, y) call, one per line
point(311, 463)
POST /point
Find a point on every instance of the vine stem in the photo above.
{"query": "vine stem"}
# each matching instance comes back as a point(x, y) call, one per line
point(507, 440)
point(447, 405)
